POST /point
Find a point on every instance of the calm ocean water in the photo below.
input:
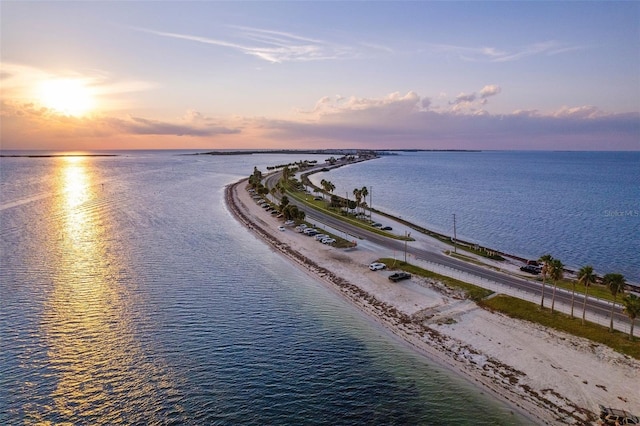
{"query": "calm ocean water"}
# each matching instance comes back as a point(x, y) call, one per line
point(582, 207)
point(129, 295)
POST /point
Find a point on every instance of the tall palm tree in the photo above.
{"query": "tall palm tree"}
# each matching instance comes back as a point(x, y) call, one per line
point(284, 202)
point(358, 195)
point(615, 283)
point(586, 277)
point(364, 192)
point(546, 266)
point(286, 174)
point(323, 183)
point(632, 309)
point(556, 273)
point(330, 187)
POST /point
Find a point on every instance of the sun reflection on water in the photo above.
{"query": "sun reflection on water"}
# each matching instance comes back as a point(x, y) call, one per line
point(102, 375)
point(75, 182)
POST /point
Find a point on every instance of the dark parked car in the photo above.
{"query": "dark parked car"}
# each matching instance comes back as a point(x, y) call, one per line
point(399, 276)
point(387, 228)
point(535, 270)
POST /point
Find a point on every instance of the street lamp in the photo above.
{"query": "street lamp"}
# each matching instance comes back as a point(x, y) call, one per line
point(406, 237)
point(455, 237)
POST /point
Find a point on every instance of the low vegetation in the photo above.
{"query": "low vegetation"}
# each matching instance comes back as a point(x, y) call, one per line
point(521, 309)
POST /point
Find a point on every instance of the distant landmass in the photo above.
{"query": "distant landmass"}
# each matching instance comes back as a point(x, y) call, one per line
point(328, 151)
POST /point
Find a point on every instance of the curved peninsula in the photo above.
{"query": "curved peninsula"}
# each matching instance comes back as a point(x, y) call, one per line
point(551, 377)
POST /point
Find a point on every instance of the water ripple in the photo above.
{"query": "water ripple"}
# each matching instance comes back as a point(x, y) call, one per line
point(143, 302)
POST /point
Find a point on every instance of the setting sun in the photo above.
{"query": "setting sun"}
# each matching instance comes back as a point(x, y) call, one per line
point(66, 96)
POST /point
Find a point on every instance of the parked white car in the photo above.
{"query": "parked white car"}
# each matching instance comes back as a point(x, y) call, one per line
point(320, 237)
point(328, 240)
point(281, 228)
point(376, 266)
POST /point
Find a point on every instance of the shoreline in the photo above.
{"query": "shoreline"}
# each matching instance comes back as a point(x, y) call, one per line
point(461, 341)
point(469, 247)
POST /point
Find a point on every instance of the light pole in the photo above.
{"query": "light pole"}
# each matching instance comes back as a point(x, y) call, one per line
point(455, 237)
point(370, 202)
point(406, 237)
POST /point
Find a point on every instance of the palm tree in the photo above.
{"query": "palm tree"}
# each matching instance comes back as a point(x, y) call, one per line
point(615, 283)
point(329, 186)
point(586, 277)
point(284, 202)
point(357, 193)
point(556, 274)
point(286, 174)
point(632, 309)
point(364, 192)
point(546, 265)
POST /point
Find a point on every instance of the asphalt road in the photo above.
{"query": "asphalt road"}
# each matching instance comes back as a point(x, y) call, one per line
point(595, 306)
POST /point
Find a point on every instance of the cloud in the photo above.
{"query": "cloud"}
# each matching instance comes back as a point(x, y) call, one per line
point(24, 119)
point(466, 102)
point(402, 121)
point(144, 126)
point(585, 111)
point(271, 46)
point(493, 54)
point(356, 110)
point(464, 98)
point(489, 90)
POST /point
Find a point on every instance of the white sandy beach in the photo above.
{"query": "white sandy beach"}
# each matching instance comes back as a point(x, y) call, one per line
point(552, 377)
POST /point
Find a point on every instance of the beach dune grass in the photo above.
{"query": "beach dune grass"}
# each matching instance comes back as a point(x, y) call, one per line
point(521, 309)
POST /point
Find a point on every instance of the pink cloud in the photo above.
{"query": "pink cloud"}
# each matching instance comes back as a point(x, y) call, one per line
point(402, 121)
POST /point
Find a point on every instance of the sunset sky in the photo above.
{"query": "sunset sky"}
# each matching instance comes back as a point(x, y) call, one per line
point(230, 75)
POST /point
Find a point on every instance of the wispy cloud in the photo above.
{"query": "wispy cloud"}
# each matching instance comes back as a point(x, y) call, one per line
point(269, 45)
point(494, 54)
point(28, 118)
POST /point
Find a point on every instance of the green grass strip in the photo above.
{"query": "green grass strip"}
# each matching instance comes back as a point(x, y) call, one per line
point(522, 309)
point(473, 291)
point(321, 206)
